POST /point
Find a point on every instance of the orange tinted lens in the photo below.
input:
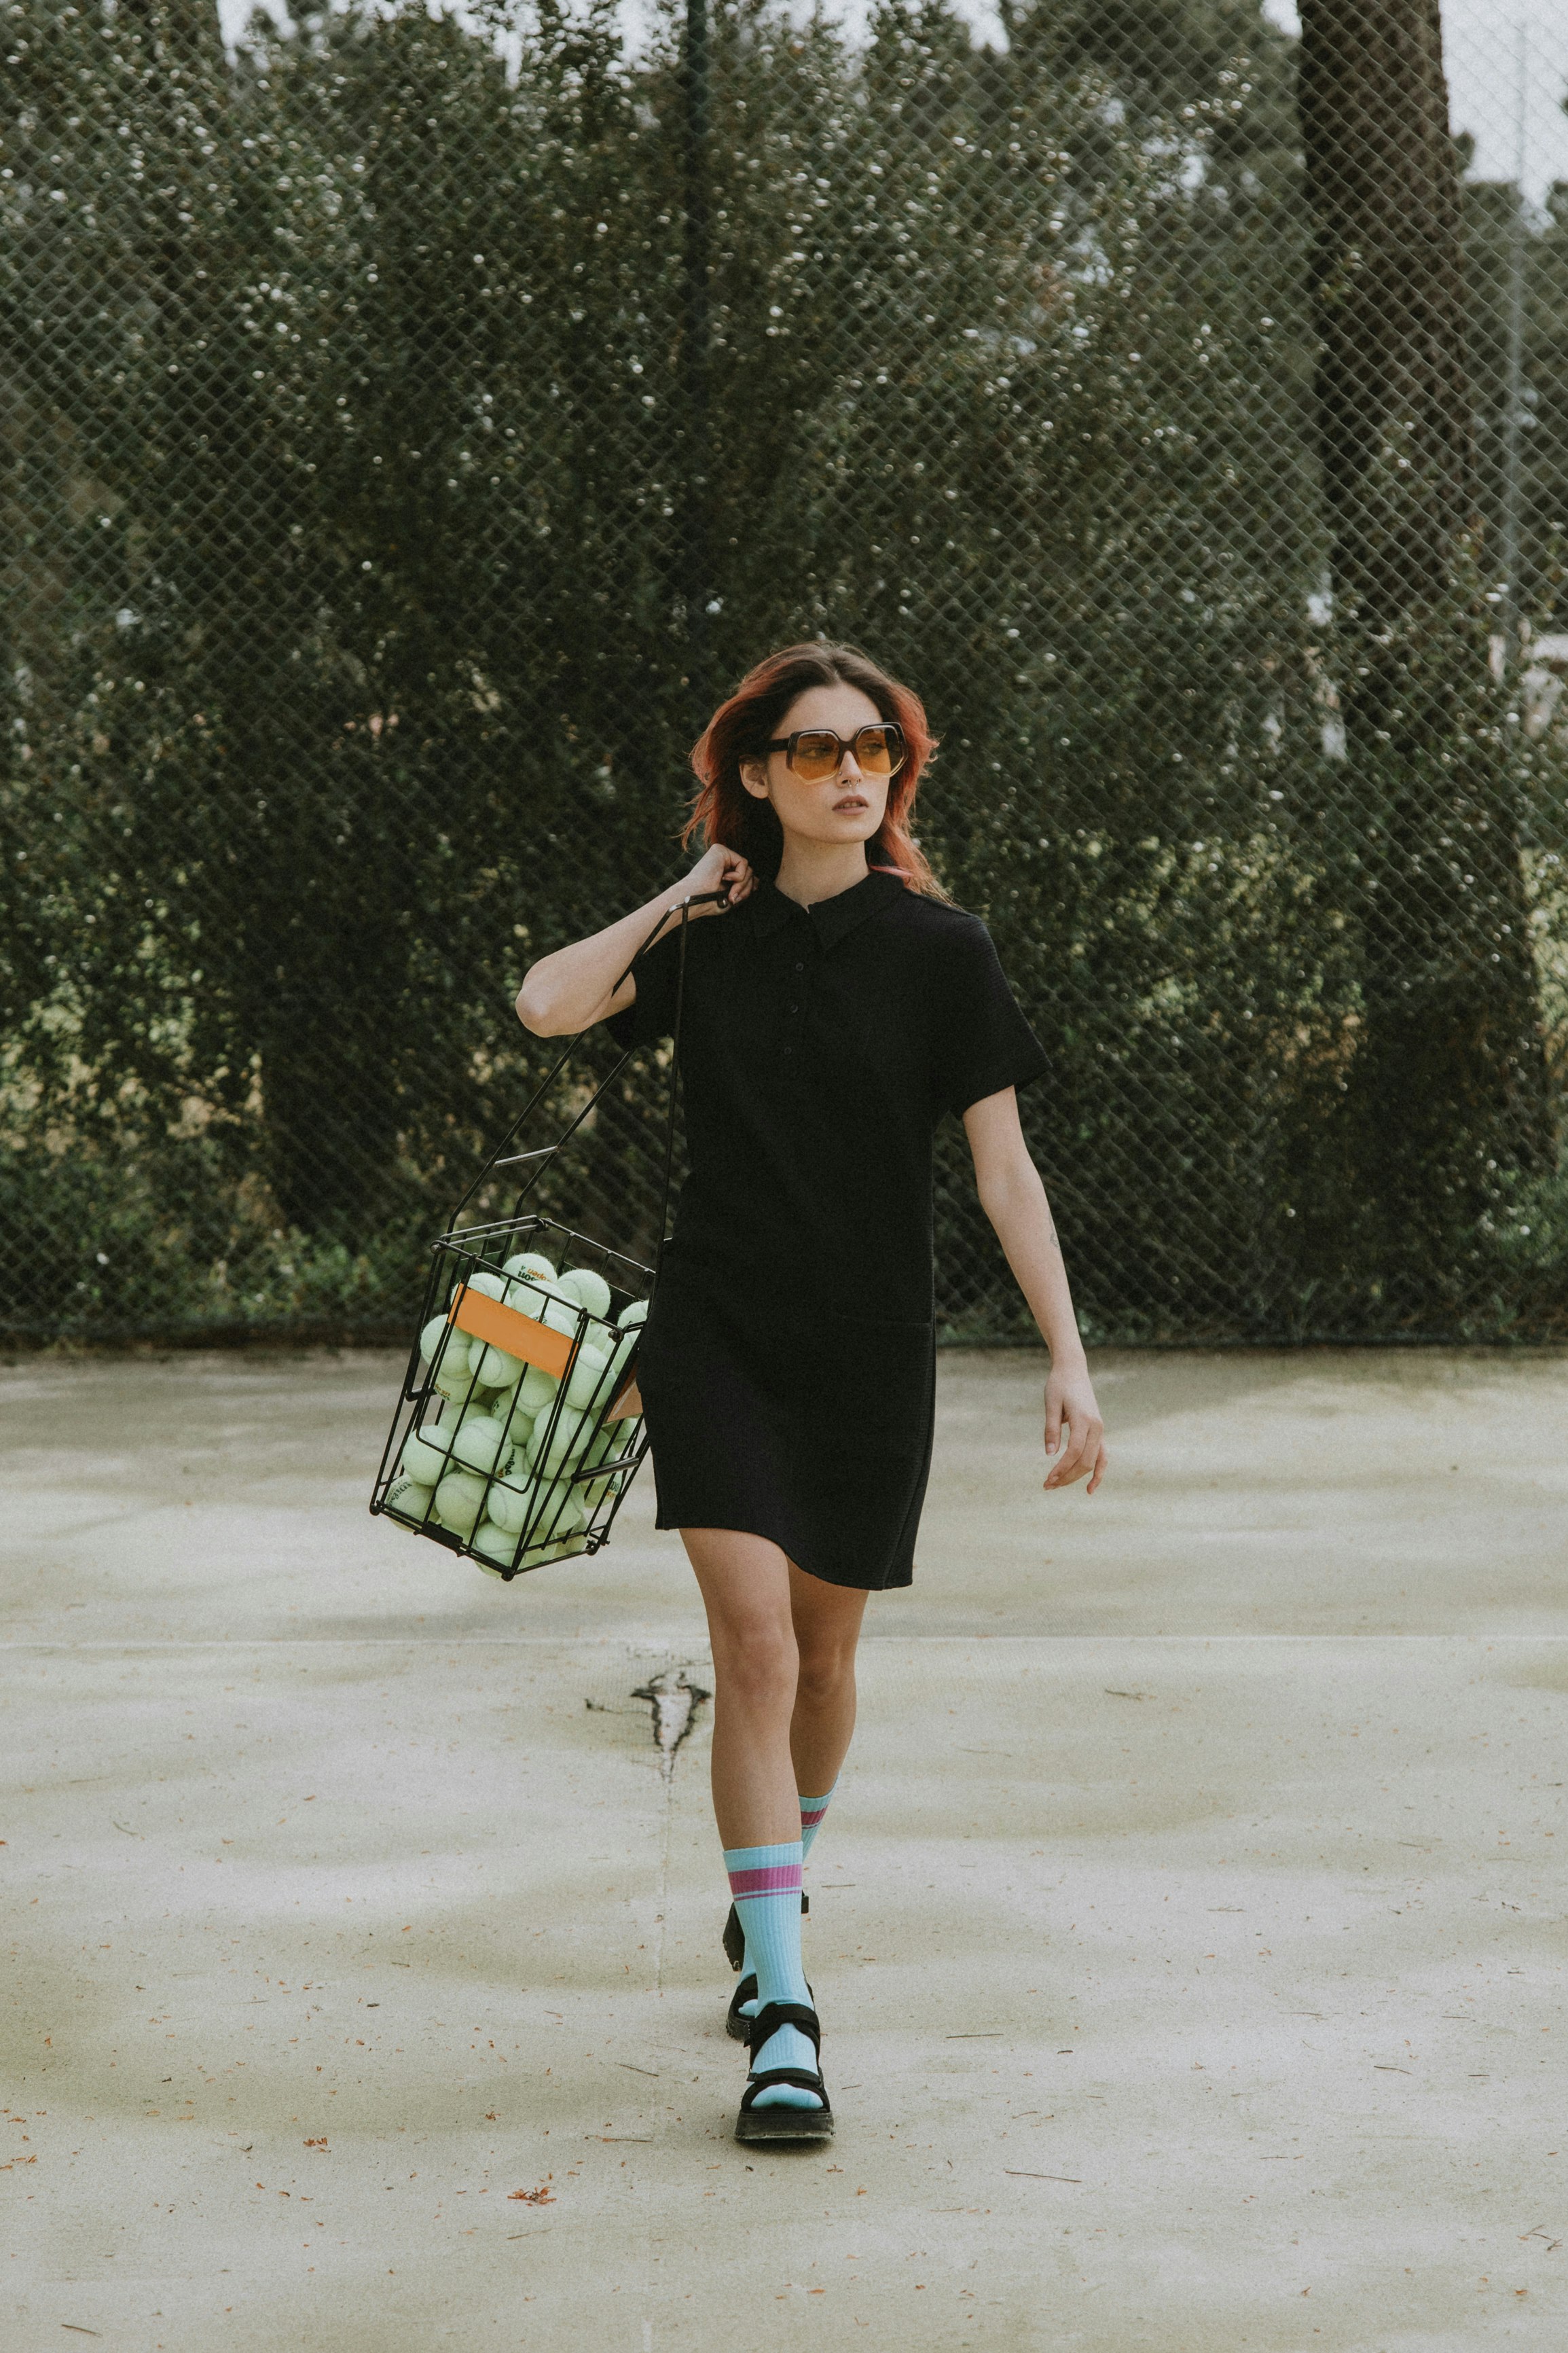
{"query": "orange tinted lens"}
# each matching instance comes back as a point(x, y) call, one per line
point(877, 750)
point(816, 754)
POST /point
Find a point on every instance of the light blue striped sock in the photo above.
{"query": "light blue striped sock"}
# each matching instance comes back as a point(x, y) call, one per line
point(764, 1882)
point(811, 1812)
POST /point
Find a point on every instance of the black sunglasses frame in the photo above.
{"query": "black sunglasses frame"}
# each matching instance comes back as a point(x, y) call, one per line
point(889, 727)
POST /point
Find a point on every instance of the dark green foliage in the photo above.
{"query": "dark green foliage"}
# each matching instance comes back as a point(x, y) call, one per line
point(1444, 1104)
point(349, 498)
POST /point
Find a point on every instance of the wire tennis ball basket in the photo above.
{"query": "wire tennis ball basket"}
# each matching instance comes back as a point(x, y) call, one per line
point(519, 1427)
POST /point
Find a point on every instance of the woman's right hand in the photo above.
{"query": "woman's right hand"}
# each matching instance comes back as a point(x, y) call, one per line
point(567, 991)
point(719, 869)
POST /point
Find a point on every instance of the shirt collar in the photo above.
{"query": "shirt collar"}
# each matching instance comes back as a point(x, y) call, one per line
point(831, 918)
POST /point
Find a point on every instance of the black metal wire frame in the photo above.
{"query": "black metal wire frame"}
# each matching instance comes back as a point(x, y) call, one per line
point(565, 1503)
point(559, 1482)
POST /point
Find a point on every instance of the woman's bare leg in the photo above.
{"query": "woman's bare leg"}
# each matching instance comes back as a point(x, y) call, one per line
point(745, 1586)
point(783, 1673)
point(826, 1619)
point(784, 1707)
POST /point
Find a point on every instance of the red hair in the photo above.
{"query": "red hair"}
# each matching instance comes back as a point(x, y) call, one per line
point(723, 811)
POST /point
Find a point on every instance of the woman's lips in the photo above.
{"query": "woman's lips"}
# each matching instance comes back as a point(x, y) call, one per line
point(854, 801)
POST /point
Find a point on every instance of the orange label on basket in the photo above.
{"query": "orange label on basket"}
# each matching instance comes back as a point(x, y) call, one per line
point(628, 1400)
point(477, 1312)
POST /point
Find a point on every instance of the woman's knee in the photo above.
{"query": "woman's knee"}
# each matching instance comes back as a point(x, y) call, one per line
point(826, 1672)
point(758, 1664)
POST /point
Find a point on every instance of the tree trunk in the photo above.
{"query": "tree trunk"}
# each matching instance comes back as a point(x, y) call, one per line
point(1445, 1104)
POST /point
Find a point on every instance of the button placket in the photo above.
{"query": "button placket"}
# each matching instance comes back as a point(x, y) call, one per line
point(793, 1008)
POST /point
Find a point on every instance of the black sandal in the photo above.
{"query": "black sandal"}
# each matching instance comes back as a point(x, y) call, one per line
point(737, 2022)
point(735, 1936)
point(737, 2025)
point(754, 2124)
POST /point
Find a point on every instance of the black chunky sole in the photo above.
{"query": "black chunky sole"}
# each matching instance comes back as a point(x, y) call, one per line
point(754, 2124)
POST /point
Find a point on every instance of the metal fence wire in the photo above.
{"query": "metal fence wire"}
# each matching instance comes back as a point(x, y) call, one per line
point(414, 419)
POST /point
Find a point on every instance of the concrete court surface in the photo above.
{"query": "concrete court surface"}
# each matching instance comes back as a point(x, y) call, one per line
point(1188, 1931)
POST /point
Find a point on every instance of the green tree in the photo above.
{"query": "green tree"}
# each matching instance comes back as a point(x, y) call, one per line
point(351, 633)
point(1443, 1096)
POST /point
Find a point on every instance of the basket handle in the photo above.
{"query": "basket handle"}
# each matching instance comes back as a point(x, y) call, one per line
point(541, 1158)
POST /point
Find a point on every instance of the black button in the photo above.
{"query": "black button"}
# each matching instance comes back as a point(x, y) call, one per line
point(800, 968)
point(794, 1009)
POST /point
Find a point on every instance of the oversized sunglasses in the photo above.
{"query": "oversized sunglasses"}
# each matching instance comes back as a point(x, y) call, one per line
point(814, 754)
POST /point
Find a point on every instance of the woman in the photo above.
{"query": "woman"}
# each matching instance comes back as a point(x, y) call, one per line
point(837, 1010)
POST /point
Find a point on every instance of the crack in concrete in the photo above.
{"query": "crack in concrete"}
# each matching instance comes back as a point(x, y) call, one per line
point(674, 1702)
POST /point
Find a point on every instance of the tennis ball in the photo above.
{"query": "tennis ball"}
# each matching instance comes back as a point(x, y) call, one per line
point(456, 1350)
point(453, 1375)
point(517, 1423)
point(531, 1263)
point(609, 1446)
point(424, 1457)
point(634, 1314)
point(432, 1335)
point(563, 1315)
point(493, 1545)
point(512, 1506)
point(549, 1451)
point(485, 1278)
point(530, 1291)
point(591, 1290)
point(478, 1442)
point(562, 1511)
point(408, 1497)
point(566, 1551)
point(460, 1500)
point(587, 1373)
point(498, 1370)
point(514, 1459)
point(537, 1389)
point(610, 1440)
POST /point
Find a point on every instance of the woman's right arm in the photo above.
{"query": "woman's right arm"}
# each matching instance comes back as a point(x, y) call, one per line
point(569, 991)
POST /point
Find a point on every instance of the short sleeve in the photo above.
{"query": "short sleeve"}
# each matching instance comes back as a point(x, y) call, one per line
point(651, 1014)
point(983, 1041)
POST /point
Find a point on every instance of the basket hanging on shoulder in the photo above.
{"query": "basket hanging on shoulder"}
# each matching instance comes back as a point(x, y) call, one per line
point(519, 1427)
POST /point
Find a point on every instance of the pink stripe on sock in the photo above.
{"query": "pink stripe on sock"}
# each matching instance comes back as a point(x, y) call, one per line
point(778, 1879)
point(809, 1820)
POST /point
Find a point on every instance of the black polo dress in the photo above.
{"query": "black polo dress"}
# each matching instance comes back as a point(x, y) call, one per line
point(788, 1367)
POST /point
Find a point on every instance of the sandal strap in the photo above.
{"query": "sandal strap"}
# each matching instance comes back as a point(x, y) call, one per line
point(799, 2077)
point(774, 2014)
point(735, 1936)
point(746, 1990)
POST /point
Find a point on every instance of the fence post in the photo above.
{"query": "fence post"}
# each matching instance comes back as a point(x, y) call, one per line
point(697, 576)
point(1513, 609)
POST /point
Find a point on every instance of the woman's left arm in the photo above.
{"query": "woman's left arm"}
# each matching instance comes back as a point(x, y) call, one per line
point(1013, 1198)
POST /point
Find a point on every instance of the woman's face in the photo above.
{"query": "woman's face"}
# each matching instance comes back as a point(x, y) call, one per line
point(848, 807)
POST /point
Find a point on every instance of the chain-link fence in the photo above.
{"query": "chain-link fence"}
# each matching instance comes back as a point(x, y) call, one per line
point(413, 421)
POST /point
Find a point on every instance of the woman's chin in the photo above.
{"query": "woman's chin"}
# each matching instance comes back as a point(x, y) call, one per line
point(847, 830)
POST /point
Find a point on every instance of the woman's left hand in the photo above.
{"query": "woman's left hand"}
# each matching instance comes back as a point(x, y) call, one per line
point(1074, 1430)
